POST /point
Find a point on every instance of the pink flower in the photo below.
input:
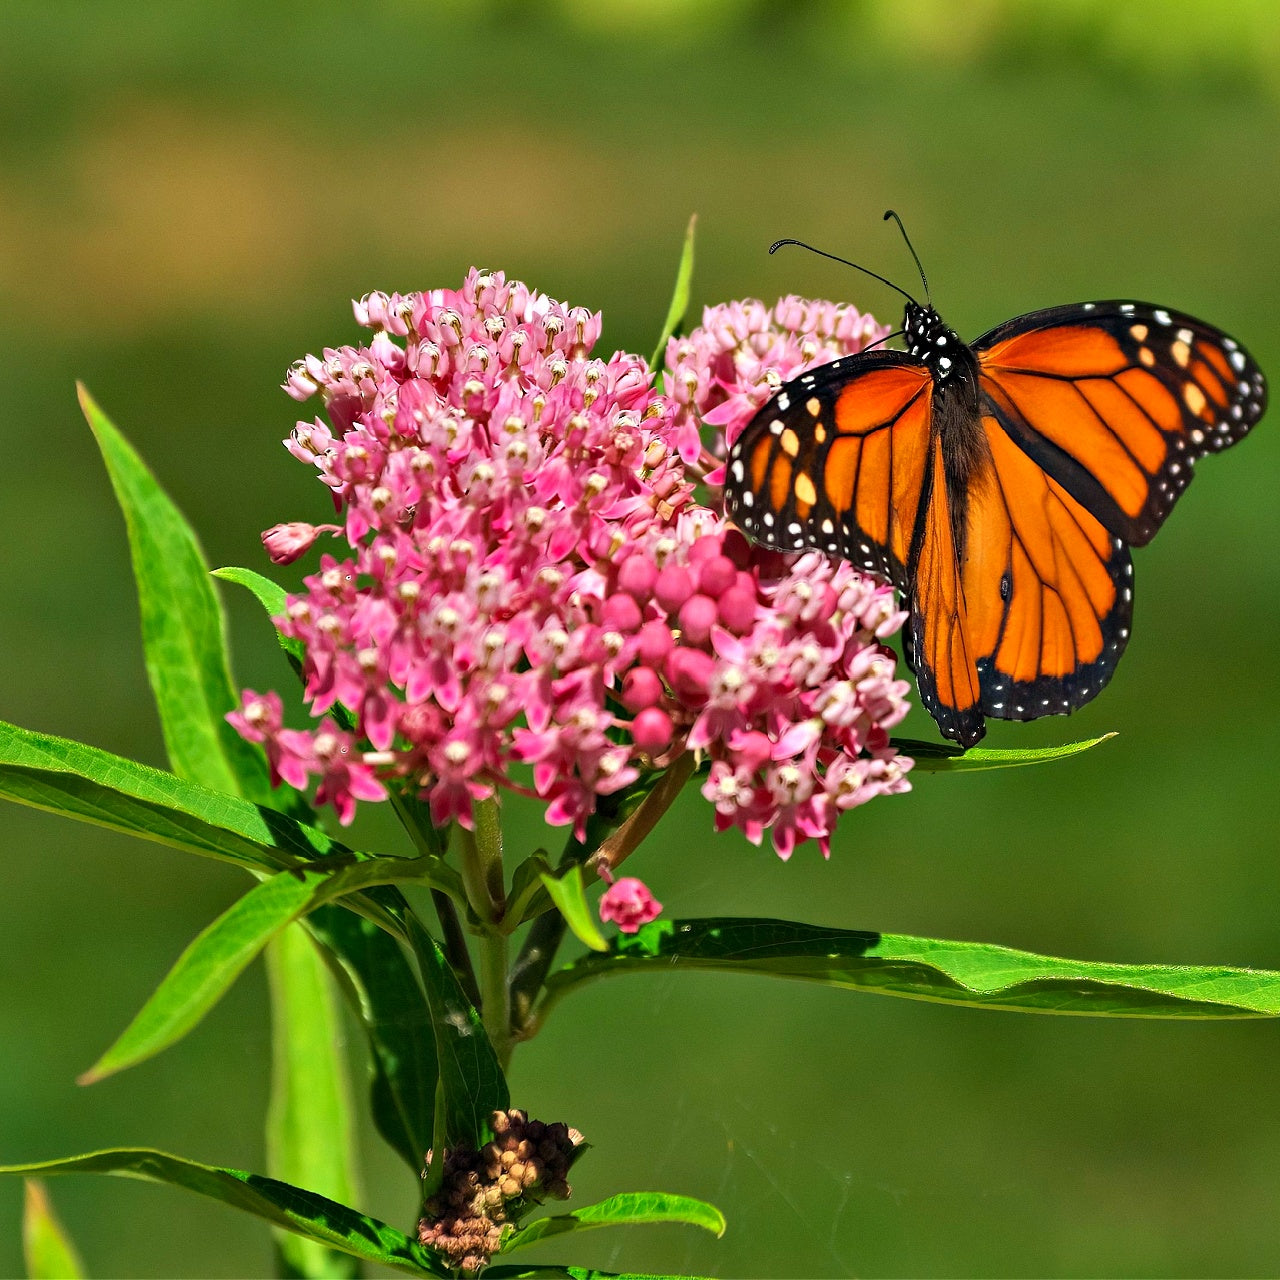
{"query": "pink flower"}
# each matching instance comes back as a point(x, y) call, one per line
point(532, 598)
point(629, 904)
point(286, 542)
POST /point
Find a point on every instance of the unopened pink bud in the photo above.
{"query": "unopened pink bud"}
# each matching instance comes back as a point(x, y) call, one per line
point(655, 643)
point(652, 730)
point(697, 617)
point(673, 587)
point(689, 671)
point(636, 576)
point(716, 575)
point(640, 688)
point(621, 613)
point(737, 610)
point(629, 904)
point(286, 542)
point(705, 548)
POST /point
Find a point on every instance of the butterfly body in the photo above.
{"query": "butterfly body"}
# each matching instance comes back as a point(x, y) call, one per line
point(999, 486)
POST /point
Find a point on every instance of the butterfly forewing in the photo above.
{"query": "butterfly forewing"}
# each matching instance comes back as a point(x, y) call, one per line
point(1116, 400)
point(837, 461)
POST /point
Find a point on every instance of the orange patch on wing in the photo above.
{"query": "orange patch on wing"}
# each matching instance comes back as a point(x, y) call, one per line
point(872, 499)
point(842, 468)
point(1068, 351)
point(1133, 426)
point(876, 398)
point(1214, 356)
point(1026, 525)
point(940, 600)
point(1153, 396)
point(1210, 382)
point(780, 482)
point(760, 462)
point(1060, 413)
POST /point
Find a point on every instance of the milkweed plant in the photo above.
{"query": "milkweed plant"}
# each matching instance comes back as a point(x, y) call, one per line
point(528, 588)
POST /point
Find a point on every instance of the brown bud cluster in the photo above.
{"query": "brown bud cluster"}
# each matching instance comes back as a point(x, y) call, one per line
point(527, 1161)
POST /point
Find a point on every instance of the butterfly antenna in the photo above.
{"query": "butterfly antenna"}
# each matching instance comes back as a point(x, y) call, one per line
point(889, 213)
point(888, 337)
point(777, 244)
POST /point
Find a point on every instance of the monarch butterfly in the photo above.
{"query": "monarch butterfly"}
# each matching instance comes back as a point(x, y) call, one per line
point(998, 485)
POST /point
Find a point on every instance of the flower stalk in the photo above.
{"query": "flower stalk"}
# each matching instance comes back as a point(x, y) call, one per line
point(480, 853)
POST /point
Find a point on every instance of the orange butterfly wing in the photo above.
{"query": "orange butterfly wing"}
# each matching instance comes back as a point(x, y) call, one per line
point(1049, 589)
point(1116, 401)
point(1088, 422)
point(837, 462)
point(939, 641)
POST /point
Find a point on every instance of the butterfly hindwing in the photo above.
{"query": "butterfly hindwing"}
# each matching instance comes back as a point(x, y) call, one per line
point(1049, 589)
point(837, 462)
point(939, 646)
point(1116, 400)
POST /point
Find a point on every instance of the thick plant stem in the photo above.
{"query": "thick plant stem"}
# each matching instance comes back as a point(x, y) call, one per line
point(495, 995)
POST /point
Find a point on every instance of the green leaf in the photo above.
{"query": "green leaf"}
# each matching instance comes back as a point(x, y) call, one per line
point(310, 1137)
point(631, 1208)
point(221, 952)
point(273, 598)
point(679, 298)
point(528, 897)
point(942, 757)
point(270, 595)
point(391, 1005)
point(972, 973)
point(46, 1247)
point(183, 630)
point(69, 778)
point(472, 1085)
point(96, 786)
point(310, 1215)
point(568, 893)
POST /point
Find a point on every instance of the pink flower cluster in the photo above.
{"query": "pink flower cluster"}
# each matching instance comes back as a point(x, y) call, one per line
point(532, 597)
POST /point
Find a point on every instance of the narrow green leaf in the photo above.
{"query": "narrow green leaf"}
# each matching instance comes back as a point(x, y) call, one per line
point(270, 595)
point(46, 1247)
point(273, 598)
point(528, 897)
point(472, 1085)
point(95, 786)
point(220, 953)
point(679, 297)
point(568, 893)
point(287, 1206)
point(943, 757)
point(978, 974)
point(310, 1136)
point(631, 1208)
point(391, 1005)
point(183, 631)
point(69, 778)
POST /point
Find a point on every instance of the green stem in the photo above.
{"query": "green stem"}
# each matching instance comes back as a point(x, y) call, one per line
point(495, 995)
point(609, 842)
point(483, 876)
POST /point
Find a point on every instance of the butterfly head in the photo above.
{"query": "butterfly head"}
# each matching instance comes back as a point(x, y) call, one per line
point(931, 341)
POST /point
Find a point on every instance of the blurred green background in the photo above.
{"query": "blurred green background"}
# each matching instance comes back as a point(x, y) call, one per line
point(189, 195)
